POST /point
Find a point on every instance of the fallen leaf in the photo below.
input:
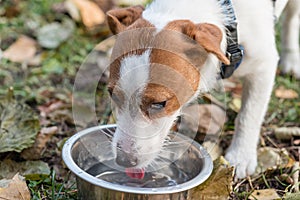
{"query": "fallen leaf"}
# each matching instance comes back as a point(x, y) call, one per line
point(13, 9)
point(105, 5)
point(72, 10)
point(35, 152)
point(31, 170)
point(266, 194)
point(297, 142)
point(91, 13)
point(19, 125)
point(62, 115)
point(23, 50)
point(213, 148)
point(218, 185)
point(36, 60)
point(52, 35)
point(14, 189)
point(272, 158)
point(49, 107)
point(235, 104)
point(284, 93)
point(292, 196)
point(286, 178)
point(286, 133)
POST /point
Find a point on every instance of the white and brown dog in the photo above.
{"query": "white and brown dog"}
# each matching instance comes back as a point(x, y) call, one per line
point(170, 52)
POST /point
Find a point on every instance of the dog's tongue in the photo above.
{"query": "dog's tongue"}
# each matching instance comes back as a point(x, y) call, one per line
point(135, 173)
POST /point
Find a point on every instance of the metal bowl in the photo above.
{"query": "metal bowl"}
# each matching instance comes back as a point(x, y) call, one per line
point(88, 154)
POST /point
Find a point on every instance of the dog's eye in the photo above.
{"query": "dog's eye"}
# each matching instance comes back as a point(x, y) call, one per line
point(158, 105)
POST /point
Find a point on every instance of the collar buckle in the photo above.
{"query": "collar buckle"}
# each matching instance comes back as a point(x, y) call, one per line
point(235, 54)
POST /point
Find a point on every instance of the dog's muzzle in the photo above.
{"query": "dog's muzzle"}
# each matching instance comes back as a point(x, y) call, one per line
point(126, 159)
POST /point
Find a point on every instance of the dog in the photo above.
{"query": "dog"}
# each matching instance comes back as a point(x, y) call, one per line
point(168, 53)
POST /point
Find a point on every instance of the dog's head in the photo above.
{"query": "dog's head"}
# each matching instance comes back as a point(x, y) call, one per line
point(153, 73)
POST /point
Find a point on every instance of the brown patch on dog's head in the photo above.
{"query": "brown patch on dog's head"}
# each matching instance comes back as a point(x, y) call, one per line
point(177, 54)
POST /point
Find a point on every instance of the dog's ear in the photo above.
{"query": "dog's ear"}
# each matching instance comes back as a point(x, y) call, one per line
point(119, 19)
point(208, 35)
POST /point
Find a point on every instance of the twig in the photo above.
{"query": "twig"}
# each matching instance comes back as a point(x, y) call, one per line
point(272, 142)
point(295, 176)
point(250, 182)
point(286, 133)
point(239, 184)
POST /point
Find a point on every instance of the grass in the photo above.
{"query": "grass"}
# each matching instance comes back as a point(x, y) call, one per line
point(284, 111)
point(50, 188)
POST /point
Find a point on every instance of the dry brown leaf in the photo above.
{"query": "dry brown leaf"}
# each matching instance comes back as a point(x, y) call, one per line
point(32, 170)
point(106, 5)
point(266, 194)
point(50, 107)
point(284, 93)
point(16, 189)
point(23, 50)
point(91, 13)
point(292, 196)
point(35, 152)
point(213, 148)
point(273, 158)
point(218, 185)
point(13, 9)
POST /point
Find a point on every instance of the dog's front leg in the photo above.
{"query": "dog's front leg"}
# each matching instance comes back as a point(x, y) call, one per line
point(290, 57)
point(257, 89)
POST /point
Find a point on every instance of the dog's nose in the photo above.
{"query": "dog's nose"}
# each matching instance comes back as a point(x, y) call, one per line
point(126, 159)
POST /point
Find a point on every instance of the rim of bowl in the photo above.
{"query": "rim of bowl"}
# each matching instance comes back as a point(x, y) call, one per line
point(197, 180)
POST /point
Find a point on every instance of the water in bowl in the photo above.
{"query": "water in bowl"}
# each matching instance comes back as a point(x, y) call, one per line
point(168, 176)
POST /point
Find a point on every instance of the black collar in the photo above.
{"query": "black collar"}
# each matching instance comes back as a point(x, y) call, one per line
point(234, 52)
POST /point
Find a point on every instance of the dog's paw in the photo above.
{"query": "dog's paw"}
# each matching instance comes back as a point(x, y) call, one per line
point(290, 63)
point(245, 162)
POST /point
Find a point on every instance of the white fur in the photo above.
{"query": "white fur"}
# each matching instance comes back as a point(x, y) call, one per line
point(290, 55)
point(256, 34)
point(130, 67)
